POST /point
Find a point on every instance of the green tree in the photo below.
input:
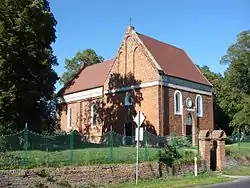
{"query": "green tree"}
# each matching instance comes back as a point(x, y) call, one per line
point(238, 59)
point(215, 79)
point(235, 90)
point(241, 120)
point(221, 118)
point(27, 30)
point(81, 59)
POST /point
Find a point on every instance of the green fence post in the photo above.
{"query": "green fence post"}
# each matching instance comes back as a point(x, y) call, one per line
point(26, 145)
point(71, 146)
point(239, 138)
point(145, 144)
point(111, 144)
point(47, 150)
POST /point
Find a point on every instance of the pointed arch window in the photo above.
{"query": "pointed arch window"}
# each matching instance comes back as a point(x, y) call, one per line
point(93, 114)
point(178, 102)
point(189, 120)
point(199, 106)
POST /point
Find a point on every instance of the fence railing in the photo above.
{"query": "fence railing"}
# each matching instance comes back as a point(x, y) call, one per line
point(238, 139)
point(29, 149)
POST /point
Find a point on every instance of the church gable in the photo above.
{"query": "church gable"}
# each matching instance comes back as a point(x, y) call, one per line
point(132, 65)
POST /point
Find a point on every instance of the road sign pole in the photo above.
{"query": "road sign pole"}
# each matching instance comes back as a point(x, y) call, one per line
point(139, 119)
point(137, 155)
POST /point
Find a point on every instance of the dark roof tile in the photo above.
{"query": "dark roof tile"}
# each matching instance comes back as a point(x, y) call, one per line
point(173, 61)
point(89, 77)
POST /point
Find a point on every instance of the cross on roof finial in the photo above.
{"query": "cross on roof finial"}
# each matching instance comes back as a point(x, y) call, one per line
point(130, 20)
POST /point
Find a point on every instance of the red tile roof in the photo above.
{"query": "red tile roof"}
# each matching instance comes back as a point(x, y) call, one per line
point(89, 77)
point(173, 61)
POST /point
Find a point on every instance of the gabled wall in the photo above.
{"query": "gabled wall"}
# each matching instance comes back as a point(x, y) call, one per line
point(132, 67)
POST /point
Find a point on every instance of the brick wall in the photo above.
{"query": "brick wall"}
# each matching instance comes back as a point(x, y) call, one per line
point(133, 60)
point(133, 67)
point(146, 101)
point(174, 122)
point(81, 116)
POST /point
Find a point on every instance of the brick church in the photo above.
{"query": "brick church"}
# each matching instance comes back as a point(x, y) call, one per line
point(146, 75)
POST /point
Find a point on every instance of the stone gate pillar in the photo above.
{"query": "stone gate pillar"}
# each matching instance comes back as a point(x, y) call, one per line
point(219, 136)
point(204, 146)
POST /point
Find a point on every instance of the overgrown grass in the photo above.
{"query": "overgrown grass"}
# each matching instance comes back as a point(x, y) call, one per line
point(88, 156)
point(242, 149)
point(179, 182)
point(238, 171)
point(238, 151)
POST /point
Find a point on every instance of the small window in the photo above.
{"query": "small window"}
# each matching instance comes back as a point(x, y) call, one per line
point(198, 105)
point(69, 114)
point(93, 115)
point(178, 102)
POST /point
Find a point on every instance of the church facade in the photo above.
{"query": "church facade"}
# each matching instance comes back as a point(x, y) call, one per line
point(146, 75)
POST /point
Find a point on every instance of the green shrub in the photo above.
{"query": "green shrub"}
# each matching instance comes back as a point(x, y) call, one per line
point(60, 132)
point(229, 141)
point(4, 146)
point(169, 156)
point(180, 141)
point(183, 142)
point(187, 157)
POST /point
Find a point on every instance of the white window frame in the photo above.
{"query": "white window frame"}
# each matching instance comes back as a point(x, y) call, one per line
point(175, 107)
point(93, 114)
point(200, 105)
point(69, 117)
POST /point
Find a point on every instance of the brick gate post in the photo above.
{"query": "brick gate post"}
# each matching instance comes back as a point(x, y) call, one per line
point(220, 136)
point(204, 146)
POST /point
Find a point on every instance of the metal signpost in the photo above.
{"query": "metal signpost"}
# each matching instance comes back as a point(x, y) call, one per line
point(139, 118)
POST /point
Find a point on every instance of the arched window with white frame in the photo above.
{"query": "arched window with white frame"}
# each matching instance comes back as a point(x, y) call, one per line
point(93, 114)
point(178, 102)
point(199, 106)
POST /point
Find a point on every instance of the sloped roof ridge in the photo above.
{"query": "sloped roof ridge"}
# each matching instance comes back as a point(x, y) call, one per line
point(160, 41)
point(79, 72)
point(207, 82)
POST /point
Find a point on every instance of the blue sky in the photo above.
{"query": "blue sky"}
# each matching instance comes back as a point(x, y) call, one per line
point(204, 29)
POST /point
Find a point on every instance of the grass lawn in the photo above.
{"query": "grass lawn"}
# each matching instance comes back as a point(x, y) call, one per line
point(236, 151)
point(238, 171)
point(87, 156)
point(179, 182)
point(243, 149)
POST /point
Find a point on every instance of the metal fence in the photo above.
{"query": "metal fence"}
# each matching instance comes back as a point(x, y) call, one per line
point(29, 149)
point(239, 138)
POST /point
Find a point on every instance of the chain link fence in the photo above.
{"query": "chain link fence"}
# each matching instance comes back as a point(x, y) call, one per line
point(27, 149)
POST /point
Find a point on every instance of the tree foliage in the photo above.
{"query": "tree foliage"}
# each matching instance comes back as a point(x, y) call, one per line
point(232, 92)
point(81, 59)
point(240, 120)
point(235, 92)
point(27, 30)
point(215, 79)
point(221, 118)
